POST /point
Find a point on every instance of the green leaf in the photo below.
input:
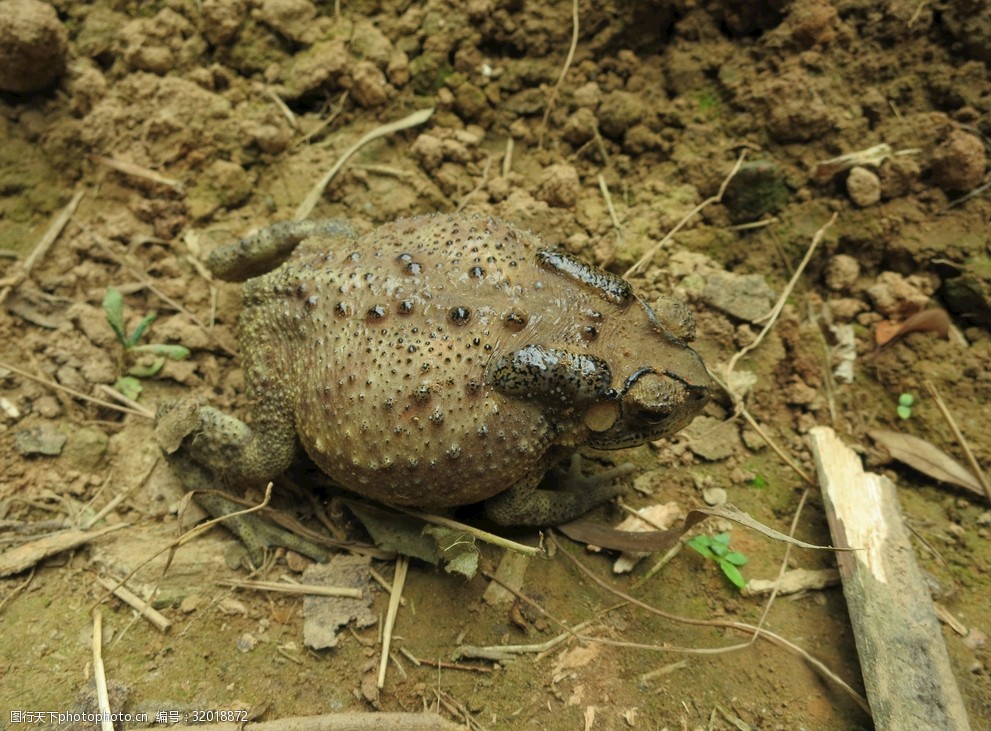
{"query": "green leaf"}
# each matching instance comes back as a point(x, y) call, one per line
point(140, 330)
point(130, 387)
point(733, 574)
point(701, 544)
point(736, 558)
point(147, 371)
point(722, 538)
point(174, 352)
point(904, 412)
point(113, 306)
point(906, 399)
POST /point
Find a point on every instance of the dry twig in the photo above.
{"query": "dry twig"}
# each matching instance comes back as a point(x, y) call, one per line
point(43, 245)
point(560, 79)
point(143, 608)
point(402, 565)
point(138, 171)
point(779, 305)
point(476, 532)
point(688, 217)
point(612, 210)
point(188, 536)
point(99, 672)
point(285, 588)
point(413, 120)
point(72, 392)
point(507, 158)
point(325, 123)
point(738, 626)
point(975, 467)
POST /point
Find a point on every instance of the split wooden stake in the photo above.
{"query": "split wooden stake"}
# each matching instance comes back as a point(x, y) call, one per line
point(903, 658)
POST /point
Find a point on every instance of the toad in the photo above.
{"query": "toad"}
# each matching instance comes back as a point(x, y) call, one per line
point(437, 361)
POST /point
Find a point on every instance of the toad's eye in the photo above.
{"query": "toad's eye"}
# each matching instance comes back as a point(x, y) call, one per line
point(652, 417)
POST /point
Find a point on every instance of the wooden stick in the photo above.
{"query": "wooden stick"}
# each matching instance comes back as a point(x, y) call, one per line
point(903, 658)
point(143, 608)
point(23, 557)
point(276, 586)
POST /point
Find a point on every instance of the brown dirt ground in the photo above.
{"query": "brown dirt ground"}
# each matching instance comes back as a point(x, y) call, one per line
point(246, 103)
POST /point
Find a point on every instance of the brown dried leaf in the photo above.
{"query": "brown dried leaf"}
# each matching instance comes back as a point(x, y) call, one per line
point(650, 541)
point(927, 459)
point(934, 320)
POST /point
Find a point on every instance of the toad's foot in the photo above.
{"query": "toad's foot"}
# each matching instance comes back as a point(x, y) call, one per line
point(525, 504)
point(207, 449)
point(257, 534)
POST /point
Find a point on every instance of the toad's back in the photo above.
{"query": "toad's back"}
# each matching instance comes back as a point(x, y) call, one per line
point(379, 345)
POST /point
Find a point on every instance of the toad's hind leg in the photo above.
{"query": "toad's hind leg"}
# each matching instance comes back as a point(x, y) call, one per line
point(525, 504)
point(208, 449)
point(264, 250)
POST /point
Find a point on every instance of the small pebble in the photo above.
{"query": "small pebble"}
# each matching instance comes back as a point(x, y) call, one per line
point(246, 642)
point(43, 438)
point(863, 186)
point(842, 272)
point(714, 496)
point(958, 163)
point(9, 408)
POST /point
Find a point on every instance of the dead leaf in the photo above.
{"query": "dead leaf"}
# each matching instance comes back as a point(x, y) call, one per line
point(929, 460)
point(585, 531)
point(576, 657)
point(660, 517)
point(324, 615)
point(934, 320)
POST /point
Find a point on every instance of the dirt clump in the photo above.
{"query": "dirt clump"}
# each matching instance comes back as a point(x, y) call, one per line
point(34, 46)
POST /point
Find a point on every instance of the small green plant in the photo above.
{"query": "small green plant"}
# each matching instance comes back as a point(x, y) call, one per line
point(758, 482)
point(708, 100)
point(113, 306)
point(905, 402)
point(717, 548)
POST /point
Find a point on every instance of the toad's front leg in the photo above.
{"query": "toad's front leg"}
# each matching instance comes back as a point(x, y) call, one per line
point(525, 503)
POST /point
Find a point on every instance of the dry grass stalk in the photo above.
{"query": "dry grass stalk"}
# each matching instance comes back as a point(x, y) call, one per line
point(975, 467)
point(284, 588)
point(72, 392)
point(99, 672)
point(43, 245)
point(560, 79)
point(476, 532)
point(638, 267)
point(413, 120)
point(748, 629)
point(138, 171)
point(402, 566)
